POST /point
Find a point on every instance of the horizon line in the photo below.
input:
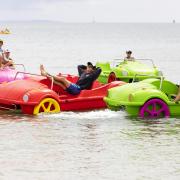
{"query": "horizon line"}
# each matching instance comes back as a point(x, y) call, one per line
point(92, 22)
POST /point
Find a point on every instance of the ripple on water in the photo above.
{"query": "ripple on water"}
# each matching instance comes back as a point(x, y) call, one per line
point(96, 144)
point(99, 144)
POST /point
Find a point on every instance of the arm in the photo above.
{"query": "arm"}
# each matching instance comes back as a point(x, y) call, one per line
point(177, 98)
point(96, 73)
point(8, 63)
point(1, 60)
point(81, 69)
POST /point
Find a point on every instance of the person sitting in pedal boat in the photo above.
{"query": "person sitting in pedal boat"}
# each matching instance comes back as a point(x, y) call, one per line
point(87, 75)
point(129, 56)
point(7, 61)
point(1, 44)
point(1, 53)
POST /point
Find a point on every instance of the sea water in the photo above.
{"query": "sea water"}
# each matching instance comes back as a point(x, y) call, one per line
point(99, 144)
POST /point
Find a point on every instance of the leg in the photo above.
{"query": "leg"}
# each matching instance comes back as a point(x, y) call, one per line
point(57, 83)
point(61, 85)
point(63, 82)
point(43, 72)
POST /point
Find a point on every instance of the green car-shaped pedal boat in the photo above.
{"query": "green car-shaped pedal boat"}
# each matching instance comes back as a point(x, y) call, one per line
point(124, 70)
point(150, 98)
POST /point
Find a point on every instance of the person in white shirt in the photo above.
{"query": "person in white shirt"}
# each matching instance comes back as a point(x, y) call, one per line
point(129, 56)
point(7, 61)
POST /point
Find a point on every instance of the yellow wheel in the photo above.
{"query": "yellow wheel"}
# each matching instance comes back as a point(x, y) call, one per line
point(47, 105)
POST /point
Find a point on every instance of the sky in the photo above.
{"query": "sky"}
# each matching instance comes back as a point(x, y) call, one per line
point(87, 10)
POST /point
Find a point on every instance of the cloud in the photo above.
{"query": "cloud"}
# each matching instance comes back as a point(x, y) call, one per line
point(17, 5)
point(85, 10)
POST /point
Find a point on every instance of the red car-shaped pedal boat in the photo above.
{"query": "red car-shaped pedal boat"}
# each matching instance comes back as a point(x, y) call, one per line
point(37, 94)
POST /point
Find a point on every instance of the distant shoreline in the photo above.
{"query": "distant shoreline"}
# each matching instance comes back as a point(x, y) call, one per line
point(51, 21)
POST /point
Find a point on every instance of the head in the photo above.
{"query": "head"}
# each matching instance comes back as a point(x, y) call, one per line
point(128, 53)
point(7, 53)
point(1, 43)
point(90, 68)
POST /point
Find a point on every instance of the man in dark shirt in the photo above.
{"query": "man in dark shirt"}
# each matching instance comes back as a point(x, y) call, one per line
point(87, 75)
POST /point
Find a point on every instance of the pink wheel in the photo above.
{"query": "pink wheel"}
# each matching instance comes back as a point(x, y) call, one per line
point(112, 77)
point(154, 108)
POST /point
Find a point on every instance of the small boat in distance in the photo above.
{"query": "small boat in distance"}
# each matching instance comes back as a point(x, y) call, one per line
point(5, 31)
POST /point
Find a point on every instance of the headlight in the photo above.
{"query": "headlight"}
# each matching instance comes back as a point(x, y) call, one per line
point(160, 73)
point(124, 73)
point(25, 98)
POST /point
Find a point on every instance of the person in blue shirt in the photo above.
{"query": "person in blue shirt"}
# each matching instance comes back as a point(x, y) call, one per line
point(87, 75)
